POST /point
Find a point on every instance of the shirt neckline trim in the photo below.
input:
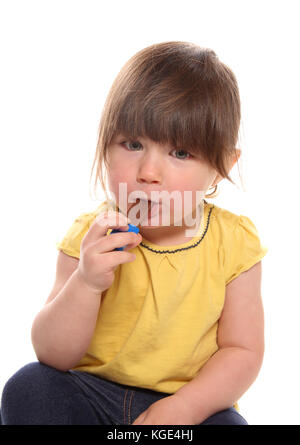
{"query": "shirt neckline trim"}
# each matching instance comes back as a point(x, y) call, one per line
point(185, 246)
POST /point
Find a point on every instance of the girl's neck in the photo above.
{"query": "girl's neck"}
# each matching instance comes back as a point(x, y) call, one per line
point(165, 236)
point(172, 235)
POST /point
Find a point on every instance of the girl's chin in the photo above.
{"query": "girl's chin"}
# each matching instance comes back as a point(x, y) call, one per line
point(155, 216)
point(149, 225)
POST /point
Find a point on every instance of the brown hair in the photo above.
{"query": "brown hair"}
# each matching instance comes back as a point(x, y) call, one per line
point(176, 93)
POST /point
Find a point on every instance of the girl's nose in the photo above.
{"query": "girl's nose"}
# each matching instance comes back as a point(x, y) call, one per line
point(150, 171)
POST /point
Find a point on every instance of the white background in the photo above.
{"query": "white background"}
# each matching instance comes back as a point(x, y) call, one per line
point(58, 60)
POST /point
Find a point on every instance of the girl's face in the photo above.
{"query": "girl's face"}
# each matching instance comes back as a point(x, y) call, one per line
point(146, 166)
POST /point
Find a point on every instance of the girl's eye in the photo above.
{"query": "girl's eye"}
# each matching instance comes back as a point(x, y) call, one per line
point(182, 153)
point(133, 144)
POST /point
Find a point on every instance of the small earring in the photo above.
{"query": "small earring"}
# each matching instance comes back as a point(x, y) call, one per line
point(213, 192)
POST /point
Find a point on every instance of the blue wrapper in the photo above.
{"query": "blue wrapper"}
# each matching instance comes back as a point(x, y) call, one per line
point(132, 228)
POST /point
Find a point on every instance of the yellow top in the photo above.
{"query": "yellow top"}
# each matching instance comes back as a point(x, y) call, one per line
point(157, 324)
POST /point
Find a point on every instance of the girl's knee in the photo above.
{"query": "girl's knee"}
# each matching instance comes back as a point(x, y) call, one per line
point(38, 394)
point(20, 379)
point(227, 417)
point(17, 389)
point(33, 393)
point(33, 378)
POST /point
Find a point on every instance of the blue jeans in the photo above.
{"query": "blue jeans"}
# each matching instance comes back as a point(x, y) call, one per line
point(38, 394)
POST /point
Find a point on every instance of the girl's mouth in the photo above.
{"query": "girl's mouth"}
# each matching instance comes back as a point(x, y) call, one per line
point(152, 209)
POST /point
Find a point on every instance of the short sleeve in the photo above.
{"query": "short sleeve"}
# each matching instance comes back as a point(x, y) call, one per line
point(245, 249)
point(70, 244)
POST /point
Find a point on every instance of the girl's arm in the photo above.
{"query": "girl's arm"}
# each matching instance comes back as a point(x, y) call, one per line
point(62, 330)
point(235, 366)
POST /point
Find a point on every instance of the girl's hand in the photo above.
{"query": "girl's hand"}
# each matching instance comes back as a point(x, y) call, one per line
point(171, 410)
point(98, 260)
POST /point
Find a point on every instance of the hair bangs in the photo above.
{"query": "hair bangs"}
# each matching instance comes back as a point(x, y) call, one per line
point(179, 124)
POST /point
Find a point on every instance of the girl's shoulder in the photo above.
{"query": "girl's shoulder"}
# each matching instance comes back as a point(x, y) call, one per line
point(239, 240)
point(223, 216)
point(229, 222)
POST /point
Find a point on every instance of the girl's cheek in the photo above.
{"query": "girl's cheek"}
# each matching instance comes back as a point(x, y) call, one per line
point(115, 177)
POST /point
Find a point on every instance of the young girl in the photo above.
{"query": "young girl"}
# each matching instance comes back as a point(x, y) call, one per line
point(169, 330)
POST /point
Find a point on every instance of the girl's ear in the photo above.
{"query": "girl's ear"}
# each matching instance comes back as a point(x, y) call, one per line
point(235, 156)
point(238, 152)
point(230, 163)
